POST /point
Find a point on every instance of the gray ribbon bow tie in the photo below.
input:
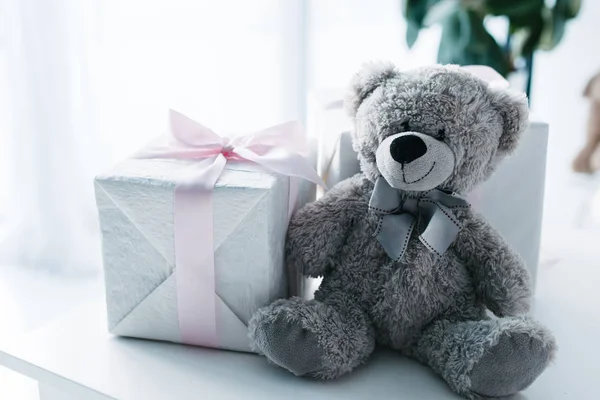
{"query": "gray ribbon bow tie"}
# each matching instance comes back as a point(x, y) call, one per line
point(433, 212)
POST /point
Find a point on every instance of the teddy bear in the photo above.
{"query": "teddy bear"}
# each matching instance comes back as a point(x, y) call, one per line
point(406, 263)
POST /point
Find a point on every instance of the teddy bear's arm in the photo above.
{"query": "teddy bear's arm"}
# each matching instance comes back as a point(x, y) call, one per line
point(317, 231)
point(501, 278)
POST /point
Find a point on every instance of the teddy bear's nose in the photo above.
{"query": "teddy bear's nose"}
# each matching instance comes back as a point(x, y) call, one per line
point(407, 148)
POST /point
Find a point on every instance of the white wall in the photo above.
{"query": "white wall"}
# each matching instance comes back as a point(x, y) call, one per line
point(346, 33)
point(559, 79)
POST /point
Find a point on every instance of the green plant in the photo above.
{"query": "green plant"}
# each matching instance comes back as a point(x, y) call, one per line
point(532, 25)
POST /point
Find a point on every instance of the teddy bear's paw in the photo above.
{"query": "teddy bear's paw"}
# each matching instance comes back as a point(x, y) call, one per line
point(511, 365)
point(278, 333)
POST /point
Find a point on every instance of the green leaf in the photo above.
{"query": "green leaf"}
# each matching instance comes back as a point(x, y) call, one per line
point(525, 21)
point(451, 42)
point(514, 8)
point(555, 24)
point(572, 9)
point(412, 34)
point(465, 41)
point(414, 11)
point(441, 11)
point(526, 35)
point(534, 36)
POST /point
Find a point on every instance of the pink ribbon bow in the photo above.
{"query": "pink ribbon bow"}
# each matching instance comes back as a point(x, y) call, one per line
point(280, 149)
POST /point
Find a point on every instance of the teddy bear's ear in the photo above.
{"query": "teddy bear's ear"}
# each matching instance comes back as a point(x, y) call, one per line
point(370, 76)
point(514, 109)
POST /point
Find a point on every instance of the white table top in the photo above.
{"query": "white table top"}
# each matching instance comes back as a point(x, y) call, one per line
point(76, 354)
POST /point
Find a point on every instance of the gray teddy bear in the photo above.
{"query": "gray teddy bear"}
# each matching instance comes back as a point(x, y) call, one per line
point(405, 262)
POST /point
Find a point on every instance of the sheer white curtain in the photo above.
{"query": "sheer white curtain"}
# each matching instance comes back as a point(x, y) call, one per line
point(346, 33)
point(88, 82)
point(46, 133)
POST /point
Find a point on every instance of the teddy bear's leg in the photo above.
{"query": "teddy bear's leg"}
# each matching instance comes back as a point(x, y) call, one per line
point(493, 358)
point(312, 338)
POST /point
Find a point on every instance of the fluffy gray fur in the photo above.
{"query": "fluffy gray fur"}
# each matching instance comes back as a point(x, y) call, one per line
point(427, 307)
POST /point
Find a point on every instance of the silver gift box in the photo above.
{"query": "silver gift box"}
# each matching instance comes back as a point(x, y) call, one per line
point(135, 205)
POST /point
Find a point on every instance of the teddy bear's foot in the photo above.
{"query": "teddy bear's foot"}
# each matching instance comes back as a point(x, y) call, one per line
point(287, 344)
point(511, 365)
point(310, 338)
point(492, 358)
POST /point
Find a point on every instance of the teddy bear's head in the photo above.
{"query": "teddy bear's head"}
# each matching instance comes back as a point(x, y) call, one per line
point(432, 127)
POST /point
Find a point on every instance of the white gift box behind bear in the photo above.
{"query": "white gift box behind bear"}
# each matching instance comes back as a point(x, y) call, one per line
point(135, 203)
point(511, 200)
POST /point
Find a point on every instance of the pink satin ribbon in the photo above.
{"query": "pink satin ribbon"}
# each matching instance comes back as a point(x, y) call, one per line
point(281, 149)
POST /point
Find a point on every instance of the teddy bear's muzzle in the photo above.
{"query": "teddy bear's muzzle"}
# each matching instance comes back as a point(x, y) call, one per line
point(414, 161)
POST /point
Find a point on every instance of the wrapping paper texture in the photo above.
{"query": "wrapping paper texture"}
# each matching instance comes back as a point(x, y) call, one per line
point(135, 203)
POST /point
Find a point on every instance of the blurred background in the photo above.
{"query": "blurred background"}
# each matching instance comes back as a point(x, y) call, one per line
point(83, 83)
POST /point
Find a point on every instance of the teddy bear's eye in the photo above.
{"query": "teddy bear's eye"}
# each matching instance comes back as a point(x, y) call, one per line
point(406, 126)
point(441, 135)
